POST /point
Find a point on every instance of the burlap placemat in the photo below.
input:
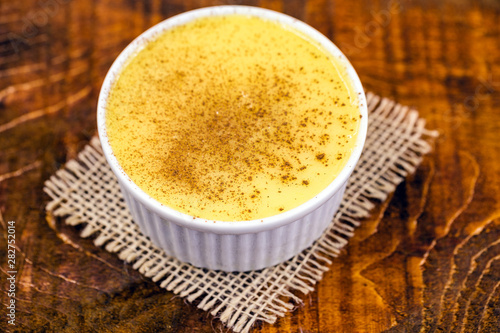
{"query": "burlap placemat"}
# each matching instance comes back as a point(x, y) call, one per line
point(86, 192)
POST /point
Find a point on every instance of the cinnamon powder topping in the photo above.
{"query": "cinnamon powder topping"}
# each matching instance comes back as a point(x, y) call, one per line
point(232, 118)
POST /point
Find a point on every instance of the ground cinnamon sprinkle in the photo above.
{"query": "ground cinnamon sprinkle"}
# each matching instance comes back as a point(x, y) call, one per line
point(232, 118)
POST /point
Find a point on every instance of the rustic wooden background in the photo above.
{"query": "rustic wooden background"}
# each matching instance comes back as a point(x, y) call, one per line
point(428, 260)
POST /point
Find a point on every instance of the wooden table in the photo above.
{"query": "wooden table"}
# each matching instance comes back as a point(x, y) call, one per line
point(429, 258)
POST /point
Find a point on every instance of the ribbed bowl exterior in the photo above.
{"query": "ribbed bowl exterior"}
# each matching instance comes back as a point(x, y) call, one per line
point(242, 252)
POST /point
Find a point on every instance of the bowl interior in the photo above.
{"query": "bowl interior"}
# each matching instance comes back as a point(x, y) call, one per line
point(225, 227)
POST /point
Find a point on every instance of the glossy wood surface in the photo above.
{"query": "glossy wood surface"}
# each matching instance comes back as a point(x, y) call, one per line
point(427, 261)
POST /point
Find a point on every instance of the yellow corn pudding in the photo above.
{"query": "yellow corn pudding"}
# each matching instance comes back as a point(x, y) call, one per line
point(232, 118)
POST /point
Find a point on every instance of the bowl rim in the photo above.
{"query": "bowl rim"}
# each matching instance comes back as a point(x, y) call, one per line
point(229, 227)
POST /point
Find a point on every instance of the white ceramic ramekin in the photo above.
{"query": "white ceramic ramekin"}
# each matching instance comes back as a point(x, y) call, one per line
point(231, 246)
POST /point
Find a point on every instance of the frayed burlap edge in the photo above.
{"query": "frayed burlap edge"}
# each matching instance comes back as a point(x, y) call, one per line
point(86, 192)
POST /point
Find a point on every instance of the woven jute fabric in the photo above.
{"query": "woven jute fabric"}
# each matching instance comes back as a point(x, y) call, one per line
point(86, 192)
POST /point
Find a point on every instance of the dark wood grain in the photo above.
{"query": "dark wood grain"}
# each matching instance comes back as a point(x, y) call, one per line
point(427, 260)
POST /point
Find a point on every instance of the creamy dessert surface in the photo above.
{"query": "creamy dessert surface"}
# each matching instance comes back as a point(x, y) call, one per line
point(232, 118)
